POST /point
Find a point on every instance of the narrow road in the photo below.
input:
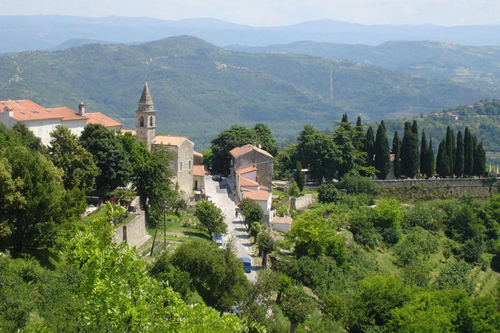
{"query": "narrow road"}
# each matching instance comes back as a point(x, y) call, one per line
point(224, 199)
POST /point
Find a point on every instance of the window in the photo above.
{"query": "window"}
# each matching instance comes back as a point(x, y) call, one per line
point(180, 166)
point(189, 165)
point(151, 121)
point(141, 121)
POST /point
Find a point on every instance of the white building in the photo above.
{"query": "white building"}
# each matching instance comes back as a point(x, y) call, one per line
point(42, 121)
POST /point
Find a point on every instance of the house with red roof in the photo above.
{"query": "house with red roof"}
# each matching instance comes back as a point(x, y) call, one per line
point(42, 121)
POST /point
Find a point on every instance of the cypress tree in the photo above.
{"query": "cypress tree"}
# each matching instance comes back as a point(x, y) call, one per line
point(442, 160)
point(382, 153)
point(344, 118)
point(468, 153)
point(424, 156)
point(369, 146)
point(359, 137)
point(300, 178)
point(449, 151)
point(405, 150)
point(459, 156)
point(414, 151)
point(479, 160)
point(430, 158)
point(396, 148)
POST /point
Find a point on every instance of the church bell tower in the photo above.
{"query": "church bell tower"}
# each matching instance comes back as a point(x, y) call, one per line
point(146, 119)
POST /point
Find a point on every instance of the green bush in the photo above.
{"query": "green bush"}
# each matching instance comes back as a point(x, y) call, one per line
point(357, 184)
point(328, 193)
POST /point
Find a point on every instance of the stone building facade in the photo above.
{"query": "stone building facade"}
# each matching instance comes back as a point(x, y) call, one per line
point(250, 155)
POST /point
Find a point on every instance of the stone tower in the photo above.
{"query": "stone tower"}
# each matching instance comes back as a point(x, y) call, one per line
point(146, 118)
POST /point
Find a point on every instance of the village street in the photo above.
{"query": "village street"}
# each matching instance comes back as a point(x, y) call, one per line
point(224, 199)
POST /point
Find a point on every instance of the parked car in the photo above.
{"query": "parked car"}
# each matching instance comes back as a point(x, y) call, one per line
point(218, 239)
point(247, 264)
point(216, 178)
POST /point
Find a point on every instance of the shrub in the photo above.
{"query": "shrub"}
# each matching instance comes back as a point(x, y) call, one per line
point(357, 184)
point(328, 193)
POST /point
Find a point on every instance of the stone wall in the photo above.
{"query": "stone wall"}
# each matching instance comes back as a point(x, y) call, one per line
point(302, 202)
point(439, 188)
point(134, 233)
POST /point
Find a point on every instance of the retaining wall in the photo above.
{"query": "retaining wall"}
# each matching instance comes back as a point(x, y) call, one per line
point(302, 202)
point(134, 233)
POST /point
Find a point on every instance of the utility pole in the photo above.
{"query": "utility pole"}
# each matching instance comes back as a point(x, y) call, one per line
point(164, 225)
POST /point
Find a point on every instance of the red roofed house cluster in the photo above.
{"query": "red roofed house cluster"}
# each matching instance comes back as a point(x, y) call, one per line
point(42, 121)
point(252, 173)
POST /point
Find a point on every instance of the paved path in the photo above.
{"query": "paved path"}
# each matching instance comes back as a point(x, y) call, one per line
point(224, 199)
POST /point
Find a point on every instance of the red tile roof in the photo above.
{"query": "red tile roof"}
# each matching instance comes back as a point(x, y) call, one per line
point(198, 170)
point(258, 195)
point(246, 170)
point(26, 110)
point(247, 182)
point(197, 154)
point(169, 140)
point(100, 118)
point(237, 152)
point(123, 131)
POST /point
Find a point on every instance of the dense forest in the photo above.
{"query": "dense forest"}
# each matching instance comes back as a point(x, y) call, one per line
point(200, 89)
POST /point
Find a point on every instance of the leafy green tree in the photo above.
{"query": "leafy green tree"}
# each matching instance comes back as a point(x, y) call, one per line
point(216, 274)
point(313, 236)
point(479, 160)
point(294, 190)
point(357, 184)
point(424, 155)
point(265, 138)
point(211, 217)
point(222, 144)
point(208, 157)
point(342, 138)
point(266, 245)
point(396, 150)
point(455, 275)
point(255, 229)
point(180, 281)
point(377, 297)
point(28, 139)
point(251, 211)
point(388, 216)
point(285, 161)
point(151, 181)
point(459, 156)
point(137, 152)
point(382, 152)
point(362, 228)
point(296, 306)
point(418, 245)
point(300, 178)
point(40, 206)
point(77, 164)
point(319, 153)
point(370, 146)
point(468, 153)
point(328, 193)
point(109, 156)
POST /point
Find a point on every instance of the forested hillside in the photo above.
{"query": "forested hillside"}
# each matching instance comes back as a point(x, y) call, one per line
point(200, 89)
point(476, 65)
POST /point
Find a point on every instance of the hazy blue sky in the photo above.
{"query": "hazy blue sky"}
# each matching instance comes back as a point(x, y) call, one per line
point(274, 12)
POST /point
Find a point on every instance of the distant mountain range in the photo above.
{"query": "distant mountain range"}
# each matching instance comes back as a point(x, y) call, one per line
point(475, 65)
point(200, 89)
point(42, 32)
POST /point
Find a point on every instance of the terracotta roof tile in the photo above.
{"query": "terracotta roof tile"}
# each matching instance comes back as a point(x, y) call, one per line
point(246, 170)
point(195, 153)
point(238, 151)
point(100, 118)
point(258, 195)
point(169, 140)
point(198, 170)
point(123, 131)
point(247, 182)
point(26, 110)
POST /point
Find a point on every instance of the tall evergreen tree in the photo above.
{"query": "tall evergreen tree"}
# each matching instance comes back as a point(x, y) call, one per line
point(459, 156)
point(358, 139)
point(382, 153)
point(424, 162)
point(414, 128)
point(479, 160)
point(442, 160)
point(430, 157)
point(369, 146)
point(468, 153)
point(405, 149)
point(300, 178)
point(449, 151)
point(396, 150)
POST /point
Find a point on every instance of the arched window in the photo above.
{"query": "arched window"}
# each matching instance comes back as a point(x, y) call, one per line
point(141, 121)
point(150, 121)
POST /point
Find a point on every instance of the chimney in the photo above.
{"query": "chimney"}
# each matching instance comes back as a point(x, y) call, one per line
point(81, 109)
